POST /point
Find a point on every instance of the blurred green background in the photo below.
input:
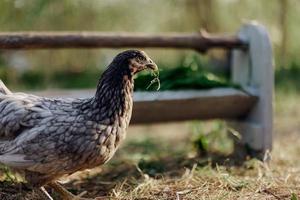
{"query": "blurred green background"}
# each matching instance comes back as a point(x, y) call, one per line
point(41, 69)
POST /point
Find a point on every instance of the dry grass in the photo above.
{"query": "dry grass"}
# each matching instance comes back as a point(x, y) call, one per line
point(147, 168)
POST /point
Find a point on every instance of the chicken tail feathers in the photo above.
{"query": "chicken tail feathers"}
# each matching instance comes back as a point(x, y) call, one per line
point(4, 89)
point(16, 161)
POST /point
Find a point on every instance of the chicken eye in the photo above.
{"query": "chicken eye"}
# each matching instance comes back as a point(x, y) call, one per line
point(140, 58)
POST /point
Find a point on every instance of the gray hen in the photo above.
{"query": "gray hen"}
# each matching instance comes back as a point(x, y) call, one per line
point(47, 138)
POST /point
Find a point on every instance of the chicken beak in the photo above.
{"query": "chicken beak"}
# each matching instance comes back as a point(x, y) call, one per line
point(152, 66)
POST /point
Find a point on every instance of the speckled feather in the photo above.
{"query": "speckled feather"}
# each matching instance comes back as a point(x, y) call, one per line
point(47, 138)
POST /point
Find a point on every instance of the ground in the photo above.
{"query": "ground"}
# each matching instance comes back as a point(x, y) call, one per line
point(160, 162)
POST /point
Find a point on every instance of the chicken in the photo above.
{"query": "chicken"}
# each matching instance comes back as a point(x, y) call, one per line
point(47, 138)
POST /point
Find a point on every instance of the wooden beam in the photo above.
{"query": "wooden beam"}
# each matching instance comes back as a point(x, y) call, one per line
point(51, 40)
point(171, 106)
point(168, 106)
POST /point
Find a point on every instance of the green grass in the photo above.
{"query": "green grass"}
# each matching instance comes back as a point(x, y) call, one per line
point(183, 78)
point(191, 73)
point(287, 79)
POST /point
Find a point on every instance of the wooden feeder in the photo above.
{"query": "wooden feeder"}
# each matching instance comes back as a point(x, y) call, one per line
point(249, 111)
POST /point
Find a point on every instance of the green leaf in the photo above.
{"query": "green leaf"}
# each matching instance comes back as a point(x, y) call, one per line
point(294, 197)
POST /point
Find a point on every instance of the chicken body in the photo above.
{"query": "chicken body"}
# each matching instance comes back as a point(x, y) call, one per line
point(52, 137)
point(47, 138)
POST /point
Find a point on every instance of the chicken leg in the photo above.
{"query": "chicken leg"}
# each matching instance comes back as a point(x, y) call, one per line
point(43, 192)
point(65, 194)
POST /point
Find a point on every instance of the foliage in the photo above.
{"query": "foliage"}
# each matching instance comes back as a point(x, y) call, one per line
point(214, 137)
point(287, 79)
point(33, 79)
point(294, 196)
point(74, 79)
point(190, 73)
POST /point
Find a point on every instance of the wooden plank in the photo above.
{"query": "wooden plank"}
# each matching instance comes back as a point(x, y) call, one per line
point(191, 105)
point(50, 40)
point(168, 106)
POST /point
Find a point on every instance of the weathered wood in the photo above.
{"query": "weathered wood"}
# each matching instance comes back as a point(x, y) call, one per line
point(253, 69)
point(167, 106)
point(191, 105)
point(49, 40)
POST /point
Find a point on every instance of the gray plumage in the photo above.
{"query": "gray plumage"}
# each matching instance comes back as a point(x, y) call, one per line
point(47, 138)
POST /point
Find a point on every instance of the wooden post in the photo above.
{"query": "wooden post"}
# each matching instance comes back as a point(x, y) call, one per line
point(253, 69)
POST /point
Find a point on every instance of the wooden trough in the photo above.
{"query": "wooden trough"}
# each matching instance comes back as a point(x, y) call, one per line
point(248, 111)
